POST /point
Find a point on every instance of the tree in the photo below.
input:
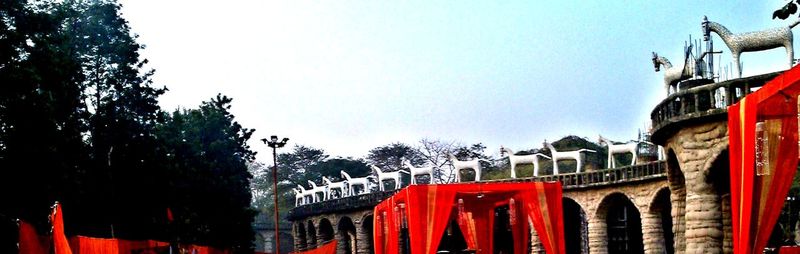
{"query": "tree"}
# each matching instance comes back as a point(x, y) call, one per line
point(435, 153)
point(389, 157)
point(209, 179)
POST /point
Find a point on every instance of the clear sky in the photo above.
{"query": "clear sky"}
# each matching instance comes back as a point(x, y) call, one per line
point(348, 76)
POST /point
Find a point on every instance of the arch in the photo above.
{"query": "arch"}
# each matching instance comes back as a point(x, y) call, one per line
point(677, 189)
point(367, 227)
point(575, 227)
point(301, 242)
point(660, 212)
point(312, 236)
point(325, 231)
point(623, 224)
point(346, 231)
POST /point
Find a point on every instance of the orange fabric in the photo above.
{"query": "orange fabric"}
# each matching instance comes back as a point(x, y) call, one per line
point(31, 242)
point(83, 244)
point(60, 243)
point(428, 209)
point(328, 248)
point(757, 199)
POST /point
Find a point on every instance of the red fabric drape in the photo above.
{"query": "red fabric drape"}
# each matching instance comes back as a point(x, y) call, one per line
point(83, 244)
point(789, 250)
point(31, 242)
point(328, 248)
point(757, 199)
point(429, 207)
point(60, 243)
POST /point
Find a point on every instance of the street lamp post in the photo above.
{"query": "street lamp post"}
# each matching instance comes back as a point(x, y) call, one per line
point(273, 142)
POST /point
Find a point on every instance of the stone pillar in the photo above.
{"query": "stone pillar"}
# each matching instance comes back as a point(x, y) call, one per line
point(536, 244)
point(364, 244)
point(298, 244)
point(341, 247)
point(598, 236)
point(652, 233)
point(727, 225)
point(703, 223)
point(678, 200)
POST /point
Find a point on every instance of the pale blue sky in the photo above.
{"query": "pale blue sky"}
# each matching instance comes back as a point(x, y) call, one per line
point(347, 76)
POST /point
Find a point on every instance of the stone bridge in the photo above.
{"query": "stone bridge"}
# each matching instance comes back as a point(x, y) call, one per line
point(680, 205)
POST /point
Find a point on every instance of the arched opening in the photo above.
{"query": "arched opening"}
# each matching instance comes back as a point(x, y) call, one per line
point(312, 236)
point(624, 225)
point(720, 179)
point(677, 189)
point(325, 231)
point(347, 233)
point(367, 227)
point(576, 230)
point(662, 209)
point(452, 239)
point(301, 236)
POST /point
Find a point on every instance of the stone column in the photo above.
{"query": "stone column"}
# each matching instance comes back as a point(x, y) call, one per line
point(727, 225)
point(652, 233)
point(536, 244)
point(598, 236)
point(341, 246)
point(298, 244)
point(678, 200)
point(364, 244)
point(703, 223)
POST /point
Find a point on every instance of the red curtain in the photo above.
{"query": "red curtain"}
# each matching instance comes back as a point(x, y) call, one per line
point(328, 248)
point(758, 198)
point(31, 242)
point(83, 244)
point(60, 243)
point(429, 207)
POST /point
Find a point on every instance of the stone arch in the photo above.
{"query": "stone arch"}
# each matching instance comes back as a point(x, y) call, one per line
point(312, 235)
point(622, 223)
point(346, 235)
point(325, 232)
point(575, 227)
point(677, 189)
point(657, 224)
point(300, 239)
point(719, 178)
point(367, 231)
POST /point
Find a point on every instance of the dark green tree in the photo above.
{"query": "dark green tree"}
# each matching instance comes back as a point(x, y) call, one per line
point(209, 182)
point(390, 157)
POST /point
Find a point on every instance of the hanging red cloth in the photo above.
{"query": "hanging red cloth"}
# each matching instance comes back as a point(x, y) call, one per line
point(60, 243)
point(757, 197)
point(429, 207)
point(31, 242)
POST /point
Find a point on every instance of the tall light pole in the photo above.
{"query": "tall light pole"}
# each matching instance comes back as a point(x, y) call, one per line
point(273, 142)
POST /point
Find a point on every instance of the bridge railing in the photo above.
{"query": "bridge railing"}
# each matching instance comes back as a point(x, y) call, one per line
point(703, 101)
point(644, 171)
point(340, 204)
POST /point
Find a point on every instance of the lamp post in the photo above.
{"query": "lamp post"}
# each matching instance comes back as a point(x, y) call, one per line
point(273, 142)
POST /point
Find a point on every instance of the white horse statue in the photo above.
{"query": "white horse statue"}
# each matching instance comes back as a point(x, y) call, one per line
point(318, 190)
point(522, 159)
point(673, 74)
point(299, 195)
point(751, 41)
point(335, 185)
point(630, 147)
point(415, 171)
point(567, 155)
point(474, 164)
point(362, 181)
point(382, 176)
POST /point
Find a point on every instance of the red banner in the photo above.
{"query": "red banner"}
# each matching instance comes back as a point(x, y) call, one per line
point(763, 162)
point(428, 210)
point(60, 243)
point(328, 248)
point(31, 242)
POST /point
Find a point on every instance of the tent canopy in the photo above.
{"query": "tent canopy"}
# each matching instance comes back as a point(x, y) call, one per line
point(426, 210)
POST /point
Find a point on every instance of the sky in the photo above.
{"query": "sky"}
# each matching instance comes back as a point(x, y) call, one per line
point(349, 76)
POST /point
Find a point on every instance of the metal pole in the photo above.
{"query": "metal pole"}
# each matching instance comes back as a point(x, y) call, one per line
point(275, 190)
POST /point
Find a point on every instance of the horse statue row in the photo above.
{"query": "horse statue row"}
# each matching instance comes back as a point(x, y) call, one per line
point(514, 159)
point(324, 192)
